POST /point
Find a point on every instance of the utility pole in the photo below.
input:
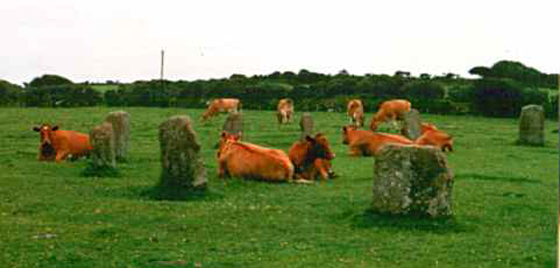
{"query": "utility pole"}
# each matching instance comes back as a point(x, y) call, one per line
point(161, 74)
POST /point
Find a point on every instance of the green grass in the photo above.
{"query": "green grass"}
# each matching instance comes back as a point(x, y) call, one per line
point(105, 87)
point(505, 202)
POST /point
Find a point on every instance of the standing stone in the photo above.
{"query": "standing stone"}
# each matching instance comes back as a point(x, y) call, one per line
point(233, 123)
point(182, 166)
point(306, 125)
point(103, 142)
point(531, 125)
point(412, 180)
point(121, 129)
point(412, 128)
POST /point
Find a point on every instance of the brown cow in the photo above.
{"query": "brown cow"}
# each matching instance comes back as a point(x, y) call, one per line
point(368, 143)
point(246, 160)
point(59, 144)
point(355, 110)
point(432, 136)
point(221, 105)
point(391, 110)
point(311, 158)
point(285, 111)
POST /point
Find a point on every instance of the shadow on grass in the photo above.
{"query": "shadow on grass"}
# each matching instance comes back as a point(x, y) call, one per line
point(160, 193)
point(442, 225)
point(474, 176)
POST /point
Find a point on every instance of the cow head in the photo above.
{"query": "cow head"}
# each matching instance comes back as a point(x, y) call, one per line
point(346, 132)
point(47, 136)
point(320, 146)
point(226, 138)
point(374, 123)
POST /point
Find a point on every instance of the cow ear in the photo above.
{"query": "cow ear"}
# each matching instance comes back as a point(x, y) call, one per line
point(36, 129)
point(344, 129)
point(55, 128)
point(223, 134)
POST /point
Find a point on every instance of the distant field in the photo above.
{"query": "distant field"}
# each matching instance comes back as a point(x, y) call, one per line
point(505, 198)
point(103, 88)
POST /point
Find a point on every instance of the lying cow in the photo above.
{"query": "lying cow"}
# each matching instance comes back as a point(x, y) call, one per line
point(311, 158)
point(285, 111)
point(368, 143)
point(58, 144)
point(432, 136)
point(221, 105)
point(246, 160)
point(355, 110)
point(392, 111)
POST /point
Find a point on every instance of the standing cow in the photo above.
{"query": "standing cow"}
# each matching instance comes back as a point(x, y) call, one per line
point(392, 111)
point(355, 110)
point(285, 111)
point(58, 144)
point(311, 158)
point(221, 105)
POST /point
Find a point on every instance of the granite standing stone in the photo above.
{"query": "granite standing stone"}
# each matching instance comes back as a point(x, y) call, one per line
point(103, 142)
point(181, 163)
point(120, 120)
point(531, 125)
point(412, 180)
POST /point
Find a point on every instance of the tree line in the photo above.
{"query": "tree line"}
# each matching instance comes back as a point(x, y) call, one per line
point(501, 90)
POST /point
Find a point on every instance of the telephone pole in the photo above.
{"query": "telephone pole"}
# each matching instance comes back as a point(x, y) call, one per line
point(161, 74)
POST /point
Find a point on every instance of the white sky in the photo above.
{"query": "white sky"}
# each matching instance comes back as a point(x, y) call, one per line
point(122, 39)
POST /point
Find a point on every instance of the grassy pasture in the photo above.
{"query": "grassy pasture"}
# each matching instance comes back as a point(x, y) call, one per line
point(505, 198)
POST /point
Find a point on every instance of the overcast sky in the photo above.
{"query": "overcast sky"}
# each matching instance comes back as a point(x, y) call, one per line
point(122, 39)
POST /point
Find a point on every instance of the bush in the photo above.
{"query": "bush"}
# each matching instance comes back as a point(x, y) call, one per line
point(424, 90)
point(9, 93)
point(49, 80)
point(499, 97)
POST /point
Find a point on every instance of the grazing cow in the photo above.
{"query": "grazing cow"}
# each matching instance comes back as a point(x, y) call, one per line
point(368, 143)
point(311, 158)
point(59, 144)
point(246, 160)
point(391, 110)
point(432, 136)
point(221, 105)
point(355, 110)
point(285, 111)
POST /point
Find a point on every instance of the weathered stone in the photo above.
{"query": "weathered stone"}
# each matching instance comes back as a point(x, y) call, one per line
point(233, 123)
point(103, 142)
point(531, 125)
point(181, 163)
point(121, 129)
point(411, 127)
point(306, 125)
point(412, 180)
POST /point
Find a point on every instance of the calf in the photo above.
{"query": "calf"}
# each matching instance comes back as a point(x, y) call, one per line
point(58, 144)
point(221, 105)
point(246, 160)
point(368, 143)
point(434, 137)
point(355, 111)
point(285, 111)
point(311, 158)
point(392, 111)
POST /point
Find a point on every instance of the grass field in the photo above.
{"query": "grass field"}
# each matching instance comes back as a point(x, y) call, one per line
point(505, 203)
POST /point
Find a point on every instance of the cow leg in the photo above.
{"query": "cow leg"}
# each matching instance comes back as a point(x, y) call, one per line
point(355, 151)
point(60, 156)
